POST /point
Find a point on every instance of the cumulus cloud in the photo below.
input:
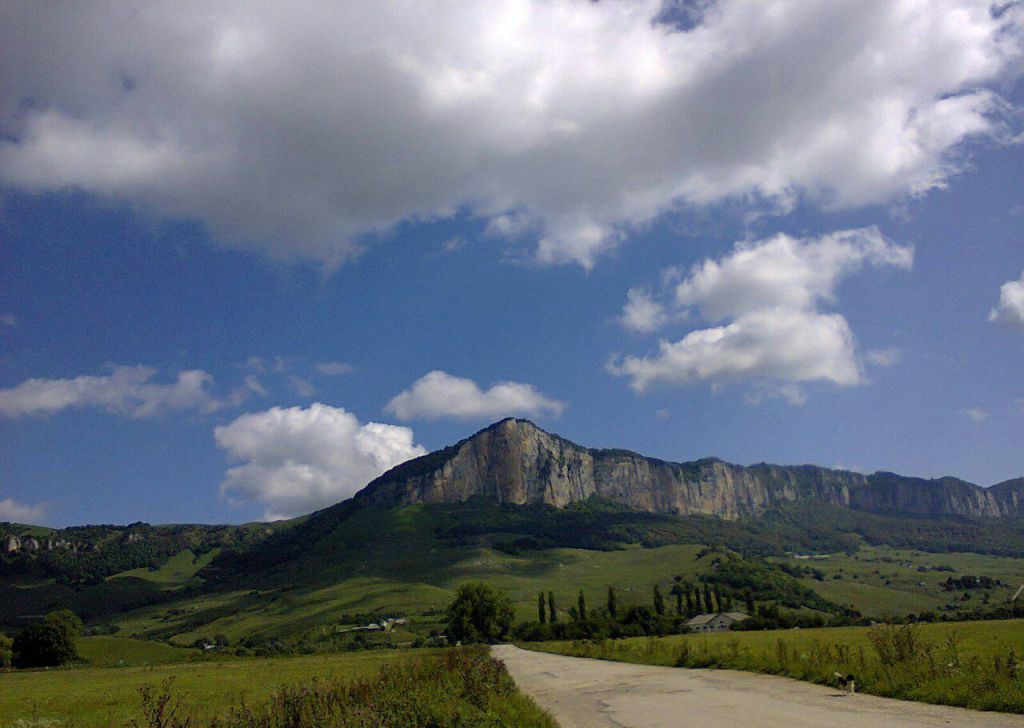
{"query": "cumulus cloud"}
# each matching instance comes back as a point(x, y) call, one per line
point(767, 298)
point(126, 391)
point(15, 512)
point(8, 320)
point(296, 460)
point(295, 129)
point(1011, 303)
point(439, 394)
point(641, 312)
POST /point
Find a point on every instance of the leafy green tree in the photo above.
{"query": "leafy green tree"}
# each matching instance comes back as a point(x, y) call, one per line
point(709, 605)
point(479, 614)
point(552, 612)
point(613, 603)
point(581, 606)
point(677, 592)
point(659, 601)
point(541, 617)
point(49, 643)
point(690, 611)
point(749, 597)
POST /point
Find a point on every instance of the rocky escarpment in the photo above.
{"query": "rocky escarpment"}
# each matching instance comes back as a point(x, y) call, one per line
point(514, 461)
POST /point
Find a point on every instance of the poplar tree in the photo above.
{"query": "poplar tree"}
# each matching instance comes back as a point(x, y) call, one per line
point(659, 601)
point(540, 608)
point(552, 612)
point(612, 602)
point(581, 604)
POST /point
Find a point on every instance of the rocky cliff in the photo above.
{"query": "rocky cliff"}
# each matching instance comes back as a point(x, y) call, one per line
point(514, 461)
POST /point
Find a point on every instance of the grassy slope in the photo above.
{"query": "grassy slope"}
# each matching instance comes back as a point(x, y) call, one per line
point(179, 570)
point(126, 652)
point(102, 696)
point(393, 561)
point(980, 643)
point(900, 586)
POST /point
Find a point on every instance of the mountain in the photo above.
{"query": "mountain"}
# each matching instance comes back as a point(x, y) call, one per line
point(515, 462)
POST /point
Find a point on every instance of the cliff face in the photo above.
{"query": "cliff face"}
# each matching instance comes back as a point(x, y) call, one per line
point(514, 461)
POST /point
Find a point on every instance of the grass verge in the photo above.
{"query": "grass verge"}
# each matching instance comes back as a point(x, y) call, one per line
point(969, 664)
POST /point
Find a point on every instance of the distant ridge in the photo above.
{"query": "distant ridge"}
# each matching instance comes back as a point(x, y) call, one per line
point(514, 461)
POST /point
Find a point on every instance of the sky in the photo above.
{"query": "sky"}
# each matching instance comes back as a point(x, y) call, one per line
point(251, 257)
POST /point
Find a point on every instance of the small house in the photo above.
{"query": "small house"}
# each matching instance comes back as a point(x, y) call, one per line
point(721, 622)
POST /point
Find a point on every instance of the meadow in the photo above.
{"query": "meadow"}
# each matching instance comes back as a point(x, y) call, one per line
point(970, 664)
point(101, 693)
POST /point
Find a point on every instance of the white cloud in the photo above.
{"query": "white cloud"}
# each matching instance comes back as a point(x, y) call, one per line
point(296, 460)
point(439, 394)
point(641, 312)
point(294, 129)
point(788, 391)
point(766, 297)
point(8, 320)
point(15, 512)
point(976, 414)
point(333, 368)
point(1011, 303)
point(883, 357)
point(126, 391)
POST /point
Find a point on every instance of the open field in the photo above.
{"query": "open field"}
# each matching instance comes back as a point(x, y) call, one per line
point(970, 664)
point(881, 581)
point(87, 696)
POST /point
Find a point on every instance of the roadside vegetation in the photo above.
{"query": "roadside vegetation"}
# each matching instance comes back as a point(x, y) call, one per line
point(970, 664)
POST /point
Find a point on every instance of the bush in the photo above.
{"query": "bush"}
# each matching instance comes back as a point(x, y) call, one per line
point(49, 643)
point(479, 614)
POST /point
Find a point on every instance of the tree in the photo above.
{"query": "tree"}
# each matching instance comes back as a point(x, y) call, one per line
point(690, 611)
point(540, 608)
point(709, 606)
point(613, 605)
point(6, 651)
point(677, 592)
point(552, 612)
point(49, 643)
point(581, 606)
point(479, 614)
point(749, 597)
point(659, 601)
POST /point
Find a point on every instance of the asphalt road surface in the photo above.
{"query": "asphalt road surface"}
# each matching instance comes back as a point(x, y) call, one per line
point(583, 693)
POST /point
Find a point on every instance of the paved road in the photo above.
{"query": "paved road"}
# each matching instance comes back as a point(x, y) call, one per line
point(583, 693)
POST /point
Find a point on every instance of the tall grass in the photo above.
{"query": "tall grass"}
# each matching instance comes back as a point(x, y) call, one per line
point(459, 689)
point(898, 661)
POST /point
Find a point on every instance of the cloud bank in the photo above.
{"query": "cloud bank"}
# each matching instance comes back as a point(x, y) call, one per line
point(296, 460)
point(294, 130)
point(127, 391)
point(439, 394)
point(767, 298)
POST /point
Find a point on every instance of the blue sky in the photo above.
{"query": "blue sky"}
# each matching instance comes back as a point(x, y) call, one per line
point(831, 250)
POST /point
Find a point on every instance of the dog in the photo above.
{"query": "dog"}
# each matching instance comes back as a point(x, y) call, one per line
point(848, 683)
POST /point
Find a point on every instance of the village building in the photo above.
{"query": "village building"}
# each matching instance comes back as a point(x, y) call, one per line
point(721, 622)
